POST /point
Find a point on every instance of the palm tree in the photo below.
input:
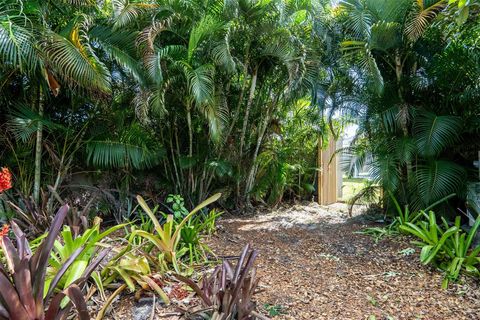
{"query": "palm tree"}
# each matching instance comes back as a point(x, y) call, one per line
point(49, 60)
point(404, 130)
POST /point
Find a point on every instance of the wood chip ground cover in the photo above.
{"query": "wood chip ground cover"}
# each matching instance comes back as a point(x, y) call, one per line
point(313, 265)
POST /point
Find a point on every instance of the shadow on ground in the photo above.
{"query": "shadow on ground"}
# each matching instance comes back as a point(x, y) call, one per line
point(314, 265)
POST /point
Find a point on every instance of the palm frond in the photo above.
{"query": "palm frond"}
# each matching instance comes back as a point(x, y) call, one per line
point(116, 154)
point(437, 179)
point(134, 148)
point(389, 10)
point(205, 28)
point(359, 18)
point(126, 12)
point(23, 123)
point(385, 36)
point(146, 37)
point(222, 55)
point(434, 133)
point(117, 45)
point(17, 44)
point(200, 82)
point(385, 171)
point(75, 61)
point(216, 114)
point(368, 63)
point(420, 17)
point(85, 3)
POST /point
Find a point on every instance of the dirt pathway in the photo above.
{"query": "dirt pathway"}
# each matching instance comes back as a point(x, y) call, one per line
point(313, 266)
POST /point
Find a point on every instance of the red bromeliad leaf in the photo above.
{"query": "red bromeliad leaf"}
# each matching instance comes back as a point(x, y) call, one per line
point(5, 179)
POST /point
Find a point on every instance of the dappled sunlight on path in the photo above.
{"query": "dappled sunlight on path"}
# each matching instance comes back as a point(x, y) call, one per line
point(314, 265)
point(302, 216)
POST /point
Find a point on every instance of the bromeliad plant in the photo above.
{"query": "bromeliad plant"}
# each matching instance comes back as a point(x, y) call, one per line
point(68, 244)
point(191, 235)
point(406, 216)
point(22, 281)
point(167, 236)
point(447, 247)
point(228, 292)
point(133, 270)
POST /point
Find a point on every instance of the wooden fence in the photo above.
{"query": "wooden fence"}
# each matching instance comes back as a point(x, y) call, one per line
point(328, 176)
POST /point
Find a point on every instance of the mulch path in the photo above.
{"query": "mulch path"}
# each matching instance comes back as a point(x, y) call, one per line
point(313, 265)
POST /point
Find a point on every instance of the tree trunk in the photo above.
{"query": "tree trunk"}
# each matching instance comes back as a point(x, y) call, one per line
point(253, 168)
point(245, 122)
point(247, 111)
point(261, 134)
point(190, 149)
point(38, 150)
point(178, 182)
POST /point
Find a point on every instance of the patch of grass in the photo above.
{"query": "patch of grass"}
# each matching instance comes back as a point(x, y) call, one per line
point(378, 233)
point(351, 186)
point(372, 300)
point(274, 310)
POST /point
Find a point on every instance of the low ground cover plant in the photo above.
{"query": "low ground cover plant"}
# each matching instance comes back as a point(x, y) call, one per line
point(166, 237)
point(23, 294)
point(45, 278)
point(446, 246)
point(227, 293)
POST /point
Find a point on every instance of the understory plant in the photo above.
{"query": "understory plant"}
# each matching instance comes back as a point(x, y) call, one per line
point(68, 243)
point(166, 237)
point(132, 270)
point(446, 247)
point(192, 232)
point(177, 204)
point(22, 281)
point(227, 293)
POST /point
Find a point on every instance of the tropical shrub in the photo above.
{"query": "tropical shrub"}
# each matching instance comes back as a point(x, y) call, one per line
point(23, 294)
point(446, 247)
point(227, 293)
point(177, 204)
point(68, 244)
point(133, 270)
point(418, 142)
point(167, 236)
point(202, 224)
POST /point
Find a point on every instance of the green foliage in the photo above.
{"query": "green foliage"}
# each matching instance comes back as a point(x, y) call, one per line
point(167, 236)
point(274, 310)
point(287, 165)
point(23, 294)
point(68, 244)
point(416, 139)
point(177, 205)
point(447, 247)
point(378, 233)
point(131, 269)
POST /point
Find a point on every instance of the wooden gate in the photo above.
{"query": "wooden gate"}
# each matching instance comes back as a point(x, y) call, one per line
point(327, 175)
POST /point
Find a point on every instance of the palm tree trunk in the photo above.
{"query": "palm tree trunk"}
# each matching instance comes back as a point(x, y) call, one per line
point(190, 148)
point(240, 98)
point(406, 170)
point(251, 95)
point(253, 168)
point(38, 150)
point(178, 183)
point(247, 111)
point(261, 134)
